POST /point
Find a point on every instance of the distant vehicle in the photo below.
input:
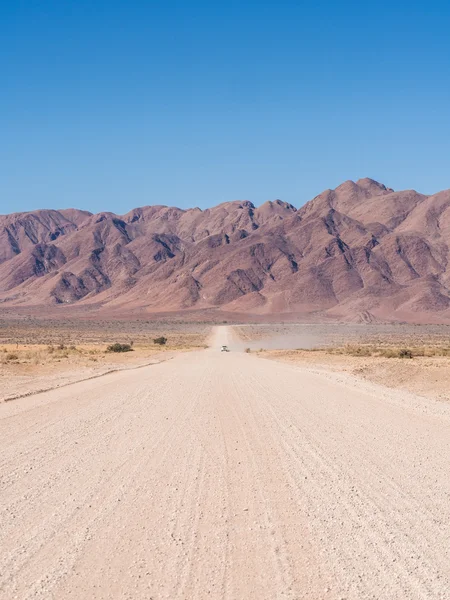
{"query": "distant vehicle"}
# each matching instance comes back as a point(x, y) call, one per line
point(224, 349)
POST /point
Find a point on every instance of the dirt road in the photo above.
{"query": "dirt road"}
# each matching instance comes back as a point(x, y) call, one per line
point(219, 475)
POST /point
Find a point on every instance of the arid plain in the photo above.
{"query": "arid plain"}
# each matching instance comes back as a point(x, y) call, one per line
point(311, 461)
point(38, 354)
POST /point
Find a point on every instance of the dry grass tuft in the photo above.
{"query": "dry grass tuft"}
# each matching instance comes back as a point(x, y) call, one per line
point(386, 351)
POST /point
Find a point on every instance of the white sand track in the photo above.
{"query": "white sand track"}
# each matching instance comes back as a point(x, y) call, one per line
point(221, 475)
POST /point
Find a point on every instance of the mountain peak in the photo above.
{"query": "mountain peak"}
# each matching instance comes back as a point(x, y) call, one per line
point(280, 204)
point(367, 183)
point(235, 204)
point(351, 193)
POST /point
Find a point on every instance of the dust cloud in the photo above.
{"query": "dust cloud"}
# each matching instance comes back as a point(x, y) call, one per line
point(261, 337)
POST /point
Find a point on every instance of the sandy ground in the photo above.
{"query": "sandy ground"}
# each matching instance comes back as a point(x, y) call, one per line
point(97, 331)
point(43, 354)
point(333, 347)
point(229, 476)
point(25, 377)
point(425, 376)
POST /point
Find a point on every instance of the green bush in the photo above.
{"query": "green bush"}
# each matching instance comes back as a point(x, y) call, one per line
point(117, 347)
point(161, 341)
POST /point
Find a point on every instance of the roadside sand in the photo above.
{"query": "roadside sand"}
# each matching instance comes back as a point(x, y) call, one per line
point(19, 379)
point(41, 354)
point(426, 376)
point(360, 350)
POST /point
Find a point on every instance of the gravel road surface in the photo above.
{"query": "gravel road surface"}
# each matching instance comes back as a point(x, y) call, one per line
point(223, 475)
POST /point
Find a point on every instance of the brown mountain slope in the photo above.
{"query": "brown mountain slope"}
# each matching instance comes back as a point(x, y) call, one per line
point(361, 249)
point(20, 231)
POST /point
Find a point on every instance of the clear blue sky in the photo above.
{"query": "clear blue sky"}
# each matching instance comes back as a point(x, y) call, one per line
point(107, 105)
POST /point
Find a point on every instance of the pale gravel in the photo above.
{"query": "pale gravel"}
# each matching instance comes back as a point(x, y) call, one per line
point(224, 476)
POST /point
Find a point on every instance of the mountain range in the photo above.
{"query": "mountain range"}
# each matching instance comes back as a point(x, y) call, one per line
point(361, 252)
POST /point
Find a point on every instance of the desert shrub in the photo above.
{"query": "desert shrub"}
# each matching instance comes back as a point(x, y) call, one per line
point(161, 341)
point(117, 347)
point(12, 356)
point(248, 350)
point(50, 349)
point(405, 353)
point(61, 347)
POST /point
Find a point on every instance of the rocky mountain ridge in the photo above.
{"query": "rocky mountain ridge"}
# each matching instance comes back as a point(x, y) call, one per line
point(359, 252)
